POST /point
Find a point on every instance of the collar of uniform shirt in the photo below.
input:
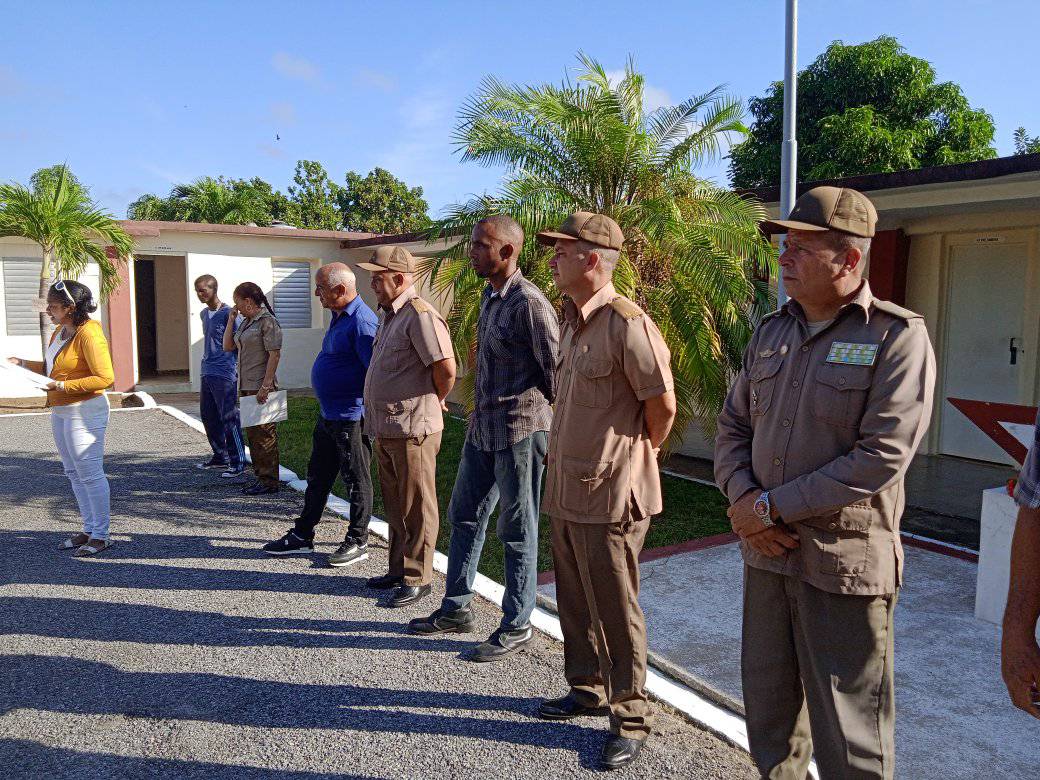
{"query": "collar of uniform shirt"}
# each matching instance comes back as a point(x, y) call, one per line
point(602, 297)
point(864, 298)
point(398, 303)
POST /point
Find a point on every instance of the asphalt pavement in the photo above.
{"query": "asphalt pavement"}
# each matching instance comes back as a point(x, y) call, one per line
point(185, 652)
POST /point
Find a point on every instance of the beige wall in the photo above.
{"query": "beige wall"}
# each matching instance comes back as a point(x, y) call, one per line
point(171, 315)
point(932, 241)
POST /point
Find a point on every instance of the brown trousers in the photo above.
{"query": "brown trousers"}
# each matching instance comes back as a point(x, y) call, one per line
point(263, 450)
point(817, 678)
point(604, 633)
point(408, 477)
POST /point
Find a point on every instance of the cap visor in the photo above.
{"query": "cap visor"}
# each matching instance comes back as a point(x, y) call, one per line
point(783, 225)
point(550, 237)
point(372, 267)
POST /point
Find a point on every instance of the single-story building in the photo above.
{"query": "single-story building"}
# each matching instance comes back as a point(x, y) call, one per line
point(959, 244)
point(152, 320)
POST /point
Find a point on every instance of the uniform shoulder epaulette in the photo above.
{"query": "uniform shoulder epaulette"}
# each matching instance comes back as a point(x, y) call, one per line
point(420, 305)
point(626, 308)
point(771, 314)
point(896, 310)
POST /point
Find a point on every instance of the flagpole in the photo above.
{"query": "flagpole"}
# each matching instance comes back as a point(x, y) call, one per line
point(789, 150)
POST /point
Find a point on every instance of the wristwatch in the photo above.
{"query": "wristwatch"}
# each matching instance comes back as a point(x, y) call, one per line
point(763, 509)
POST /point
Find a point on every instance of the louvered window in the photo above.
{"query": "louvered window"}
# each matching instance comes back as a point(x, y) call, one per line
point(292, 292)
point(21, 288)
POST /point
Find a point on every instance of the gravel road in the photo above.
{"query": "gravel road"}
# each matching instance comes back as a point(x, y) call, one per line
point(184, 652)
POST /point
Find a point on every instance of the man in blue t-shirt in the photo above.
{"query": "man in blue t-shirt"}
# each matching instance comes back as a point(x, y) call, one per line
point(338, 446)
point(218, 397)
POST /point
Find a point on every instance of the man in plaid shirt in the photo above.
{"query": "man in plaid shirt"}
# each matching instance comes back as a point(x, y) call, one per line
point(502, 462)
point(1020, 654)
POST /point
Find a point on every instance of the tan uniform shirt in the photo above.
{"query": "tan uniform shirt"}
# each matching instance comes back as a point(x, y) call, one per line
point(400, 399)
point(256, 337)
point(601, 467)
point(828, 424)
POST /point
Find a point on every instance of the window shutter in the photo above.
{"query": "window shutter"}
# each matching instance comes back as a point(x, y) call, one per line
point(21, 288)
point(292, 292)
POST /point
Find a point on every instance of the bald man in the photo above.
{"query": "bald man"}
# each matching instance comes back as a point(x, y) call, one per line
point(339, 445)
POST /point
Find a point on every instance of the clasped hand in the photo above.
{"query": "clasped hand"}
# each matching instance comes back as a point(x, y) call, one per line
point(772, 541)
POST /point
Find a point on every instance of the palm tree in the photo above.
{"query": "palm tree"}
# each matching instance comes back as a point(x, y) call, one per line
point(693, 256)
point(70, 229)
point(214, 201)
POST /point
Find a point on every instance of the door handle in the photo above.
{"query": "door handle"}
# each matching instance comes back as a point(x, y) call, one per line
point(1014, 351)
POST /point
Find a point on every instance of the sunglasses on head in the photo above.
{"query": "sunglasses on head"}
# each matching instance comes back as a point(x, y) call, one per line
point(60, 286)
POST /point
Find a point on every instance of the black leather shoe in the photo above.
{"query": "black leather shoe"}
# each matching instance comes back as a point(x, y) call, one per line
point(500, 644)
point(259, 489)
point(460, 621)
point(408, 594)
point(565, 708)
point(620, 751)
point(385, 582)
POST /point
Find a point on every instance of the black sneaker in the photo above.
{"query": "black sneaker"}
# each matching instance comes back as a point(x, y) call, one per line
point(212, 463)
point(258, 488)
point(349, 552)
point(290, 544)
point(232, 472)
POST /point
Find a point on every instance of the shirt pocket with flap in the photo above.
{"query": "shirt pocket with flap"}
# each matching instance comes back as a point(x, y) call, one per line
point(592, 384)
point(588, 486)
point(840, 393)
point(839, 544)
point(398, 347)
point(762, 380)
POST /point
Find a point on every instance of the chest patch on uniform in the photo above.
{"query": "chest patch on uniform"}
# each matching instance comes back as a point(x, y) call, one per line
point(852, 354)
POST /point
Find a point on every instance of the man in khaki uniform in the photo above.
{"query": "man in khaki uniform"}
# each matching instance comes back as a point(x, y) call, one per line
point(614, 407)
point(813, 444)
point(411, 373)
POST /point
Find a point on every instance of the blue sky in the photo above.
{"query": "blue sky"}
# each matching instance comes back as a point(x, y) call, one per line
point(138, 96)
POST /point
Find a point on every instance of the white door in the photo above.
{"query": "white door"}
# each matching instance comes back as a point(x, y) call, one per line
point(984, 312)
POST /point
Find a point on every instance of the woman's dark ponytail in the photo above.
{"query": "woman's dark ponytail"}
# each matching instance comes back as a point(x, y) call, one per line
point(253, 292)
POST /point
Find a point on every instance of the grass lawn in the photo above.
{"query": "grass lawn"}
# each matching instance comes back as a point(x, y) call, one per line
point(691, 510)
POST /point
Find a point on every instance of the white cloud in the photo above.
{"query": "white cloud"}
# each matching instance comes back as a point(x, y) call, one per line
point(421, 152)
point(270, 150)
point(283, 113)
point(374, 79)
point(161, 173)
point(653, 97)
point(295, 67)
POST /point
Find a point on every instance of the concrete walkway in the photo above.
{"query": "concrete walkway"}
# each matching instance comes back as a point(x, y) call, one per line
point(183, 652)
point(953, 721)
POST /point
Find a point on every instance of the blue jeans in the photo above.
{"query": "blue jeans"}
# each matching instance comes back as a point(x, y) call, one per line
point(511, 478)
point(218, 402)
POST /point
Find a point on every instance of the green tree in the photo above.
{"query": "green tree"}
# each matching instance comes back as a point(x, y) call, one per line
point(381, 203)
point(313, 196)
point(71, 230)
point(868, 108)
point(1025, 144)
point(46, 179)
point(693, 256)
point(274, 204)
point(220, 200)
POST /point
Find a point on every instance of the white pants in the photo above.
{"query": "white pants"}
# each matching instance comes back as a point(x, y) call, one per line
point(79, 432)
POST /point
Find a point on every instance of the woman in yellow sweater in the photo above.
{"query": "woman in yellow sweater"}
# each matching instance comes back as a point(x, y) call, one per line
point(79, 365)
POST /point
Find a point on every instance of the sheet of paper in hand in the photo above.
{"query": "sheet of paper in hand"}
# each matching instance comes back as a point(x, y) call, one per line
point(275, 410)
point(24, 375)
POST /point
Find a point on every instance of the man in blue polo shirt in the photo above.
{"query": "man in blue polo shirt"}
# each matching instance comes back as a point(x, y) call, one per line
point(218, 396)
point(339, 446)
